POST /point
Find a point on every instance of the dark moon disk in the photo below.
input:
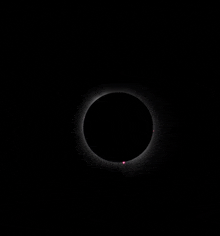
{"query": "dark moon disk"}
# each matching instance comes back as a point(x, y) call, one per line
point(118, 127)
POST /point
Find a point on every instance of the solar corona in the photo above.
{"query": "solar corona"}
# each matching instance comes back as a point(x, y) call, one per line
point(94, 144)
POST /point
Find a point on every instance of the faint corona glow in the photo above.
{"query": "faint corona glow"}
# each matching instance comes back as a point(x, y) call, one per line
point(154, 148)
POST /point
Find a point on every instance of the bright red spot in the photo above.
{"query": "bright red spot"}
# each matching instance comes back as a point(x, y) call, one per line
point(123, 162)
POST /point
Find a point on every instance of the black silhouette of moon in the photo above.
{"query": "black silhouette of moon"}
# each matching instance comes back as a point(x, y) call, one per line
point(118, 127)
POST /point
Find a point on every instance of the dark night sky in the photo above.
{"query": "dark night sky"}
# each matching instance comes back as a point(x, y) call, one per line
point(53, 58)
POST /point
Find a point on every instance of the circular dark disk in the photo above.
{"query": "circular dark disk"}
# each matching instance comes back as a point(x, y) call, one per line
point(118, 127)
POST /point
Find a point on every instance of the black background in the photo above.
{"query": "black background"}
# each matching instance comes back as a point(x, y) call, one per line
point(52, 56)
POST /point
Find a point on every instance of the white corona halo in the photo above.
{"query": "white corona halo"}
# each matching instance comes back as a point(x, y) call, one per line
point(154, 148)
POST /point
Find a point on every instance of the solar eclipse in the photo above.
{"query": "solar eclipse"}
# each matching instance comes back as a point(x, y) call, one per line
point(118, 127)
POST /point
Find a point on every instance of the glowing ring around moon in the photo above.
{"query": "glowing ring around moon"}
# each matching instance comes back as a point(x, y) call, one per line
point(136, 164)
